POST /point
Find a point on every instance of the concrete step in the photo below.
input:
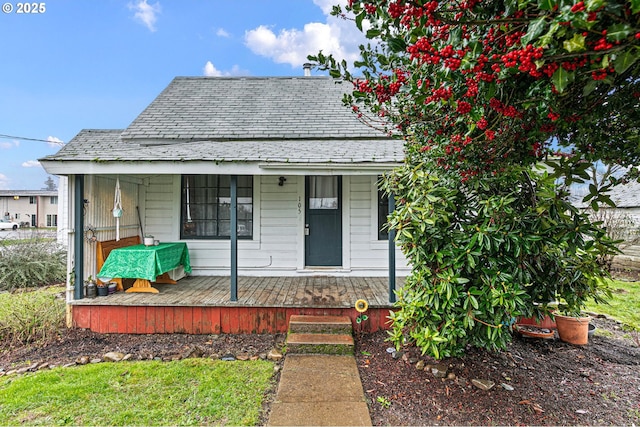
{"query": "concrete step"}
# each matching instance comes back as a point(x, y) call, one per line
point(314, 343)
point(320, 324)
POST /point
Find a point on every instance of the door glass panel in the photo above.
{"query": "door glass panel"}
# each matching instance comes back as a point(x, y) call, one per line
point(323, 192)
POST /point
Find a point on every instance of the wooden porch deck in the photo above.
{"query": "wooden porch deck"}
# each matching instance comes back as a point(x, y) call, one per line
point(201, 304)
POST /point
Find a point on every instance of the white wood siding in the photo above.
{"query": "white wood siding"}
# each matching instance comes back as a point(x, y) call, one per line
point(368, 254)
point(277, 246)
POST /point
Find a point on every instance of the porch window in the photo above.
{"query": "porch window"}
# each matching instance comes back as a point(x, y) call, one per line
point(383, 212)
point(206, 207)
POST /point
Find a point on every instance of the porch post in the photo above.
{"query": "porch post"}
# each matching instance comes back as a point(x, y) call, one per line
point(234, 238)
point(392, 253)
point(78, 237)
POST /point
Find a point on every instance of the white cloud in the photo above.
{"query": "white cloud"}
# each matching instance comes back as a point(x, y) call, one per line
point(336, 36)
point(221, 32)
point(210, 70)
point(327, 5)
point(4, 182)
point(54, 141)
point(31, 164)
point(7, 145)
point(146, 13)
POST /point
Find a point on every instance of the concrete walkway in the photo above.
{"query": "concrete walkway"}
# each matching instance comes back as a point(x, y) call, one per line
point(319, 390)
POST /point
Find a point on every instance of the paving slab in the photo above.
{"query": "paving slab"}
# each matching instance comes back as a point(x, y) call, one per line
point(323, 390)
point(320, 414)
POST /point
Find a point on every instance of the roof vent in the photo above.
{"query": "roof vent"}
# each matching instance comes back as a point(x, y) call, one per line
point(307, 68)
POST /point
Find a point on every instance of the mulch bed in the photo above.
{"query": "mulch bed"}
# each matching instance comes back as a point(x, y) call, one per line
point(546, 382)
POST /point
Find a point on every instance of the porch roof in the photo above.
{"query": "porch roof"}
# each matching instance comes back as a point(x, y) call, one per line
point(105, 151)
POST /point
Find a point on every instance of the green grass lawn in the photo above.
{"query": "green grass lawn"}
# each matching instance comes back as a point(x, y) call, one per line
point(624, 306)
point(186, 392)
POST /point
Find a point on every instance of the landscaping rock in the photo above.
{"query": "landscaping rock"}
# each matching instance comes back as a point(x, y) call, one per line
point(274, 355)
point(439, 371)
point(82, 360)
point(483, 384)
point(113, 356)
point(506, 387)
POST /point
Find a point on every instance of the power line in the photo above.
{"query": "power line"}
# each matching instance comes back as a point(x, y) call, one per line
point(60, 143)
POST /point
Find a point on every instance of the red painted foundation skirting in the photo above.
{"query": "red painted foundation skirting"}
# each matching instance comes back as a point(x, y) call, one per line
point(209, 320)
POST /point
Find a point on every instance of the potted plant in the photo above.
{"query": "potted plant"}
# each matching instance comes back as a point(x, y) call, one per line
point(573, 329)
point(564, 263)
point(90, 287)
point(583, 278)
point(112, 286)
point(103, 289)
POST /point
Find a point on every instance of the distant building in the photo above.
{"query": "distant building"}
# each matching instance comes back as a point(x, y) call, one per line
point(30, 208)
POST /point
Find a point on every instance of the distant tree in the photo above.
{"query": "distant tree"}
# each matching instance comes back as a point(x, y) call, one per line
point(50, 184)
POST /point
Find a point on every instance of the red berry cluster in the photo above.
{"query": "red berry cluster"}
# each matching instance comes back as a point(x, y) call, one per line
point(578, 7)
point(463, 107)
point(472, 88)
point(362, 86)
point(602, 44)
point(553, 116)
point(440, 94)
point(526, 58)
point(396, 9)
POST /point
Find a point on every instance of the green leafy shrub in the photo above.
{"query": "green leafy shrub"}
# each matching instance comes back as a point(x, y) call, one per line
point(31, 315)
point(483, 251)
point(31, 263)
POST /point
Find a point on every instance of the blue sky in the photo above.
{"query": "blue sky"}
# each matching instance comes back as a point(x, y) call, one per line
point(97, 64)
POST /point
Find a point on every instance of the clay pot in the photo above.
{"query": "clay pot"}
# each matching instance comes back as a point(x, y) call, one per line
point(545, 323)
point(534, 331)
point(573, 330)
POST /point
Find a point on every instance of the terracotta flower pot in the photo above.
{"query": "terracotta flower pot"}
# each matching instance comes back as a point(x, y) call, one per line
point(534, 331)
point(545, 323)
point(573, 330)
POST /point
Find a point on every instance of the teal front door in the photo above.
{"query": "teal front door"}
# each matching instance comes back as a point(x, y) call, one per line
point(323, 221)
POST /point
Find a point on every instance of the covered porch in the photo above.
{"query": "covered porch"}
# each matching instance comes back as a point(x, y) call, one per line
point(203, 305)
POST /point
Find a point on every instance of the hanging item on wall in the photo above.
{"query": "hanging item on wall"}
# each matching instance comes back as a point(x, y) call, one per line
point(117, 208)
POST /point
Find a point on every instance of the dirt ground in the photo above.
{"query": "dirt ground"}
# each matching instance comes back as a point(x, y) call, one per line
point(546, 382)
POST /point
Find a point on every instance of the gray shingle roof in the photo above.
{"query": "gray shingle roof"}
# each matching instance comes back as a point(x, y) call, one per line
point(218, 108)
point(108, 146)
point(623, 195)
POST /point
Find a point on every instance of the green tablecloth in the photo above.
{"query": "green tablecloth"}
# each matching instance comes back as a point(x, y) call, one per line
point(145, 262)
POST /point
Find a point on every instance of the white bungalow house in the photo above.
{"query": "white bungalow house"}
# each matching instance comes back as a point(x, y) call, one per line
point(282, 158)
